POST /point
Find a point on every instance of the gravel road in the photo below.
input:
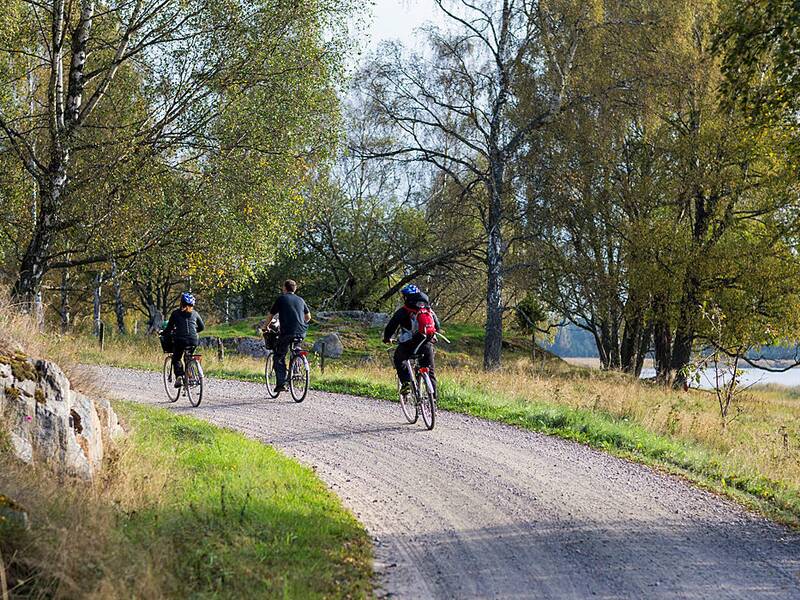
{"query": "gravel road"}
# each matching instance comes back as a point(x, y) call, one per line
point(476, 509)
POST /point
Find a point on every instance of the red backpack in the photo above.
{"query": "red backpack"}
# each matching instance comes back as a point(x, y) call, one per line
point(422, 321)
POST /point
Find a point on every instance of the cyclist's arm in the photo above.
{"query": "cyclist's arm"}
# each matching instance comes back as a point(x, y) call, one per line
point(306, 313)
point(200, 324)
point(391, 327)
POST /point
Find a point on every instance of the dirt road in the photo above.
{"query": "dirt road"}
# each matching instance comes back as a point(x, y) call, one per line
point(480, 510)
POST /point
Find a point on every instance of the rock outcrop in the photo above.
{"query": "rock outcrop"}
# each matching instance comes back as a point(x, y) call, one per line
point(49, 422)
point(247, 346)
point(332, 345)
point(370, 319)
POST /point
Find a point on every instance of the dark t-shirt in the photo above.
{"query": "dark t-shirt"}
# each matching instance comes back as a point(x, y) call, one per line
point(291, 310)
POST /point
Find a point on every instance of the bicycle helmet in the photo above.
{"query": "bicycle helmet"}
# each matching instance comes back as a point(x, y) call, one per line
point(187, 298)
point(409, 290)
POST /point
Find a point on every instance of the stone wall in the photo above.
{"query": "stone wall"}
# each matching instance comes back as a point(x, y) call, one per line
point(49, 422)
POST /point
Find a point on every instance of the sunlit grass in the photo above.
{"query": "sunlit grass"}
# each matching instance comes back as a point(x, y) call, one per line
point(185, 509)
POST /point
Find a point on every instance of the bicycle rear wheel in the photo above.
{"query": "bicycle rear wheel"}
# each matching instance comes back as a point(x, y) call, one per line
point(194, 382)
point(426, 400)
point(169, 380)
point(298, 378)
point(410, 410)
point(269, 376)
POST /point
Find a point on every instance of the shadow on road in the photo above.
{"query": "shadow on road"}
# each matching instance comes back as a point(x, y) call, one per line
point(615, 559)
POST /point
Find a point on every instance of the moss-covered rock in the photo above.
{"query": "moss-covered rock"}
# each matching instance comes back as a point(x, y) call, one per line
point(22, 367)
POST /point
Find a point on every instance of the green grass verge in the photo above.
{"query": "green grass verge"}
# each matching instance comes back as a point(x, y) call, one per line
point(241, 519)
point(183, 509)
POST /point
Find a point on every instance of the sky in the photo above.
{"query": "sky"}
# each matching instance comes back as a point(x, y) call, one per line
point(397, 19)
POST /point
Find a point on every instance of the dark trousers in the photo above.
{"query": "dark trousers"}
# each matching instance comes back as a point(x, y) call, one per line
point(405, 350)
point(178, 349)
point(279, 357)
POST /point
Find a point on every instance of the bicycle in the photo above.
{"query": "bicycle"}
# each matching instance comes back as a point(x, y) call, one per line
point(192, 384)
point(297, 375)
point(422, 397)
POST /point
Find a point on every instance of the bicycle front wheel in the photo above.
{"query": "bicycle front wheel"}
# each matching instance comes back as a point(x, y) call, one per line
point(298, 378)
point(410, 410)
point(194, 382)
point(269, 376)
point(426, 401)
point(169, 380)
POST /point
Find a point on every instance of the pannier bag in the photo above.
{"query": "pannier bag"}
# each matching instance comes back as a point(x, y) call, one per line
point(271, 339)
point(166, 341)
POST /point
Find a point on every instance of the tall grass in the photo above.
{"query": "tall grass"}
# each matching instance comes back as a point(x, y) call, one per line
point(184, 509)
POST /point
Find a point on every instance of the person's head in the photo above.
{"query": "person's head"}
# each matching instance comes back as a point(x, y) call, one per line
point(290, 286)
point(187, 301)
point(409, 290)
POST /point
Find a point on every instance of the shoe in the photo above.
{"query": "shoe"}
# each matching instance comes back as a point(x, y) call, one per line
point(280, 388)
point(179, 382)
point(405, 388)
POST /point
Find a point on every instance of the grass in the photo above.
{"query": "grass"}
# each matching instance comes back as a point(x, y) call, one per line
point(754, 459)
point(185, 509)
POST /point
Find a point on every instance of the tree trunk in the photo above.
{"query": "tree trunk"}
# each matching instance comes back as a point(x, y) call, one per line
point(64, 310)
point(493, 342)
point(685, 332)
point(662, 340)
point(96, 304)
point(119, 305)
point(154, 318)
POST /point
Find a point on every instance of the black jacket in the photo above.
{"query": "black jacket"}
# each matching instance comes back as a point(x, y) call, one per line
point(184, 326)
point(402, 318)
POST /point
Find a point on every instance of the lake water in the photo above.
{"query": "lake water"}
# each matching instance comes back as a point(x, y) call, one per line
point(790, 378)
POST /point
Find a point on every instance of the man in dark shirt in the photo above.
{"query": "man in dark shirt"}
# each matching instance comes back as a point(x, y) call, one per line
point(293, 317)
point(407, 342)
point(184, 325)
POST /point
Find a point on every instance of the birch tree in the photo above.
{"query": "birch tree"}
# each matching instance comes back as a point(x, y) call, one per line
point(189, 60)
point(456, 106)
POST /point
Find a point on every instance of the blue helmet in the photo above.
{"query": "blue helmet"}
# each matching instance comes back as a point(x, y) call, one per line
point(409, 290)
point(187, 298)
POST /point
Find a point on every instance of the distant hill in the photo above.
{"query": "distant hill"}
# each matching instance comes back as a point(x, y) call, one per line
point(573, 342)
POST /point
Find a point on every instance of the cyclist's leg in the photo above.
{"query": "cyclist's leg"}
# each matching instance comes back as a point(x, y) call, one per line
point(178, 350)
point(401, 355)
point(426, 359)
point(279, 359)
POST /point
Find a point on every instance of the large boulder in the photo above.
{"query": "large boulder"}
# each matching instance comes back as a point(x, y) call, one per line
point(48, 421)
point(332, 344)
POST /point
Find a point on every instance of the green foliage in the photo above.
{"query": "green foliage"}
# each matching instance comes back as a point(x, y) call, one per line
point(760, 46)
point(240, 519)
point(530, 313)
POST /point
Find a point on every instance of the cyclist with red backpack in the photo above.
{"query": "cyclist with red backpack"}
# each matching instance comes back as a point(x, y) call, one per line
point(417, 324)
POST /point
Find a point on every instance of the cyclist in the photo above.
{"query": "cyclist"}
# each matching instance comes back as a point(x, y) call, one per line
point(293, 316)
point(409, 342)
point(184, 324)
